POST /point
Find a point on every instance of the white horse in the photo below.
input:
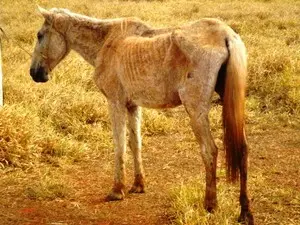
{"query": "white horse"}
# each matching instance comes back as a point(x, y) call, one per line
point(136, 65)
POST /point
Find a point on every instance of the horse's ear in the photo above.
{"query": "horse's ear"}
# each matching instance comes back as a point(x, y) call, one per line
point(45, 13)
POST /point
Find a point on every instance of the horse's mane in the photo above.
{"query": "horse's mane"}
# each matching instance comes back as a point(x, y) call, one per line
point(141, 28)
point(82, 18)
point(75, 16)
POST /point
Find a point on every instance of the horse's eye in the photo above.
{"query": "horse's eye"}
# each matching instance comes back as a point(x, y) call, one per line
point(39, 36)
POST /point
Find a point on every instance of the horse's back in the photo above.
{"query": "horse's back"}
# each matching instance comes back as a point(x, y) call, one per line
point(153, 66)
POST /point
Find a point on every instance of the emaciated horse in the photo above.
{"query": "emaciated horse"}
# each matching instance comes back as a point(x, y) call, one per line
point(139, 66)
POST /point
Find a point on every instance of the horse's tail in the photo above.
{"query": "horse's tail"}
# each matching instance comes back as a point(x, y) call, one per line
point(233, 108)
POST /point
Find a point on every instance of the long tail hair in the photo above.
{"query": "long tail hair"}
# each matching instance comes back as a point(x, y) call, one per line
point(233, 108)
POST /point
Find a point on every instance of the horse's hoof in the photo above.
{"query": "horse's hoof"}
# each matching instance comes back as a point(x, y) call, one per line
point(210, 206)
point(210, 209)
point(246, 218)
point(138, 185)
point(115, 196)
point(137, 189)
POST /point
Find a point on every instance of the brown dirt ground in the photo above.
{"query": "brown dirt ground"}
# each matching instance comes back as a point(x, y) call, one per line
point(274, 154)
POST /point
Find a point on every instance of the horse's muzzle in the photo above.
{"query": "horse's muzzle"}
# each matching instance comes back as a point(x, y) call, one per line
point(39, 74)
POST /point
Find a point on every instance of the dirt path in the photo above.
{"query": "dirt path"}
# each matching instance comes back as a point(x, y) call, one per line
point(149, 208)
point(274, 155)
point(92, 180)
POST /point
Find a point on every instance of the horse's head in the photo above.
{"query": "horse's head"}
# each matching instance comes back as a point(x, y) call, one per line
point(51, 46)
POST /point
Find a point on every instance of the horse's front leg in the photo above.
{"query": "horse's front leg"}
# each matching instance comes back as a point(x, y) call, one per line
point(118, 119)
point(135, 144)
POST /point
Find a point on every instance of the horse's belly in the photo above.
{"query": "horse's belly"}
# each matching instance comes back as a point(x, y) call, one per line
point(153, 88)
point(154, 97)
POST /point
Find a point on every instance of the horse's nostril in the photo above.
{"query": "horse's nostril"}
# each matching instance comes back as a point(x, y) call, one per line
point(39, 74)
point(32, 72)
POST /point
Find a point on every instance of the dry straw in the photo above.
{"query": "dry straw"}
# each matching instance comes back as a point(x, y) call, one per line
point(1, 74)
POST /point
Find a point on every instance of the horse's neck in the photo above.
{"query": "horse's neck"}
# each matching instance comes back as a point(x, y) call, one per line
point(88, 36)
point(86, 39)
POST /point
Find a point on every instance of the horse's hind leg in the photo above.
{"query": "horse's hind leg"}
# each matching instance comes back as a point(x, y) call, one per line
point(135, 143)
point(195, 96)
point(209, 153)
point(118, 119)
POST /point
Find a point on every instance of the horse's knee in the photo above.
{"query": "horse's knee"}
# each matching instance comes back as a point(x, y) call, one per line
point(134, 127)
point(135, 141)
point(133, 145)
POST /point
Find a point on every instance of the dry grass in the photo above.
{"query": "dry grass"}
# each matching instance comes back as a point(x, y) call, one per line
point(188, 204)
point(66, 121)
